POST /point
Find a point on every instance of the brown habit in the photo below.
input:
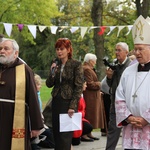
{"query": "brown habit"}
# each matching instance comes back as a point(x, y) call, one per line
point(7, 91)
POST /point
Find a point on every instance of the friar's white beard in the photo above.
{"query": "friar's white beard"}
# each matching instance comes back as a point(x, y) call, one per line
point(7, 59)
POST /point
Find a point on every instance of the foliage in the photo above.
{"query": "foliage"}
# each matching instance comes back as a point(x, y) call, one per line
point(39, 52)
point(76, 13)
point(123, 9)
point(27, 12)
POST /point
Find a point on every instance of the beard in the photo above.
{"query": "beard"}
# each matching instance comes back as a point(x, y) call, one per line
point(7, 59)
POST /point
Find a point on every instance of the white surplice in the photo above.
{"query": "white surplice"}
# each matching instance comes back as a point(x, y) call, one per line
point(133, 82)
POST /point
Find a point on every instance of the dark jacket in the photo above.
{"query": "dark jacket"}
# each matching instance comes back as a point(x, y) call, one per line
point(113, 83)
point(71, 85)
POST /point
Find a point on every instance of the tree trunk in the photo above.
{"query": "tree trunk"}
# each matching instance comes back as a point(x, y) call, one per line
point(142, 8)
point(96, 14)
point(145, 8)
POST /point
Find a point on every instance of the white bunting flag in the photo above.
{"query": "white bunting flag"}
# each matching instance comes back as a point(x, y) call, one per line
point(119, 29)
point(8, 28)
point(32, 29)
point(62, 28)
point(42, 28)
point(111, 28)
point(83, 31)
point(53, 29)
point(73, 29)
point(129, 29)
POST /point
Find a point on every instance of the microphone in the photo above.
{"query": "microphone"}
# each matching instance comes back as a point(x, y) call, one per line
point(56, 61)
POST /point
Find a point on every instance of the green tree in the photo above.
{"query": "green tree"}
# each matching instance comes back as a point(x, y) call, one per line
point(143, 7)
point(76, 13)
point(34, 51)
point(39, 52)
point(118, 14)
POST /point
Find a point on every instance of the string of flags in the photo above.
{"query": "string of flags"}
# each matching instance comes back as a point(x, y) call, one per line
point(54, 29)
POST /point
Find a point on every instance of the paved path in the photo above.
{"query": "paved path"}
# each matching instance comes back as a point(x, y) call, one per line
point(96, 145)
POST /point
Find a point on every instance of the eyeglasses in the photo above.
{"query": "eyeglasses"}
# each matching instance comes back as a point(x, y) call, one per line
point(139, 49)
point(118, 50)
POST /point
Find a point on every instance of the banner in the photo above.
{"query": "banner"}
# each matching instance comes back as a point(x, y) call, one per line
point(54, 29)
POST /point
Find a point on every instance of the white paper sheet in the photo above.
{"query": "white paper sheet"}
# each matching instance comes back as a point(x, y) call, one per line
point(70, 124)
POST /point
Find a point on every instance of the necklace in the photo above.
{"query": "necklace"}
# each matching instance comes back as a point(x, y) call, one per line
point(135, 95)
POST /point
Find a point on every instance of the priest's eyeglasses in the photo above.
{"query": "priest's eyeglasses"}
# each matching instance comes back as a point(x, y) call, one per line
point(139, 49)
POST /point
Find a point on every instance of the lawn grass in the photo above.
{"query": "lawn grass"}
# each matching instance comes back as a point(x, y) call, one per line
point(45, 93)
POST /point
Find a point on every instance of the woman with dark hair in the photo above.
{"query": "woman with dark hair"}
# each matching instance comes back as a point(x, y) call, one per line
point(66, 78)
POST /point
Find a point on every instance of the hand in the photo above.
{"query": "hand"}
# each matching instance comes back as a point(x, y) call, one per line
point(70, 112)
point(137, 122)
point(54, 68)
point(109, 73)
point(53, 65)
point(141, 122)
point(35, 133)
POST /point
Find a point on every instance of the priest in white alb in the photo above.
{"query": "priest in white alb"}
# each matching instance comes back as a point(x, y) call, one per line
point(132, 102)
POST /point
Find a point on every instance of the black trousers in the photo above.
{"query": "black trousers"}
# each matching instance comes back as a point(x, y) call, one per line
point(87, 128)
point(49, 141)
point(107, 102)
point(62, 140)
point(113, 132)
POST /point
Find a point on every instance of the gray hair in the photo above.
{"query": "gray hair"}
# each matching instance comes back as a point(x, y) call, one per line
point(123, 45)
point(90, 56)
point(14, 43)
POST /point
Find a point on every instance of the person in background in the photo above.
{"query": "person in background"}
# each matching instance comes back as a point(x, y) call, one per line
point(113, 78)
point(45, 139)
point(94, 107)
point(87, 128)
point(107, 101)
point(38, 82)
point(133, 93)
point(47, 113)
point(132, 58)
point(19, 108)
point(66, 78)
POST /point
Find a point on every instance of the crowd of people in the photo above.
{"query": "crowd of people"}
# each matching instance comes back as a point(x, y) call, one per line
point(118, 103)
